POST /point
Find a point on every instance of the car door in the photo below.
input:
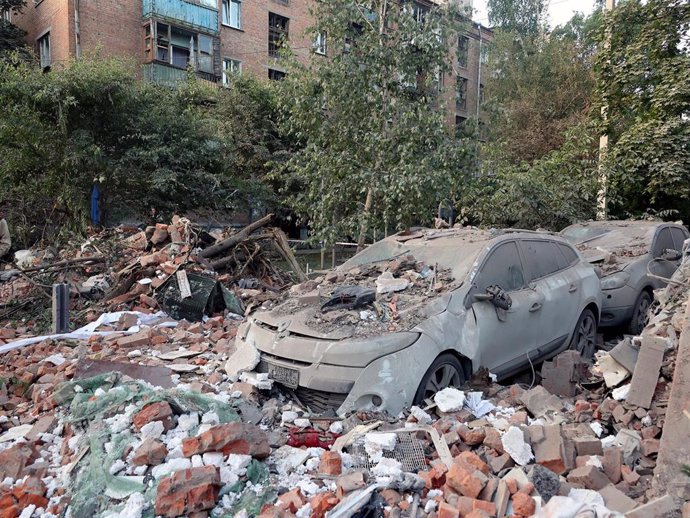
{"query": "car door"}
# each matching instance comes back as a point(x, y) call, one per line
point(560, 288)
point(504, 336)
point(663, 240)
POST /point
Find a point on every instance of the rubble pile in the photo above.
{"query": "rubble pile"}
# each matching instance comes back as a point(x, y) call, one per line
point(368, 299)
point(134, 416)
point(129, 269)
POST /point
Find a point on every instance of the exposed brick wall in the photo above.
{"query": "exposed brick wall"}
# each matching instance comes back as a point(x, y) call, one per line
point(48, 15)
point(112, 26)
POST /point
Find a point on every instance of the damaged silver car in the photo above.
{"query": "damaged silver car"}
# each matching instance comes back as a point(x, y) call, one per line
point(632, 258)
point(423, 310)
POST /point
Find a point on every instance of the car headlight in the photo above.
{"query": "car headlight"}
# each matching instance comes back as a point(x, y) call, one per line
point(615, 280)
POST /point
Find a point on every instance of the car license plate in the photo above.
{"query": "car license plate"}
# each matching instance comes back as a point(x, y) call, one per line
point(283, 375)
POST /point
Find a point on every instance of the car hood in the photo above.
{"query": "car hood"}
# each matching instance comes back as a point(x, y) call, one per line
point(295, 324)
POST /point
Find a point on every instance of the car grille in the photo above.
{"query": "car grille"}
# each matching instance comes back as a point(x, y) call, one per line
point(319, 400)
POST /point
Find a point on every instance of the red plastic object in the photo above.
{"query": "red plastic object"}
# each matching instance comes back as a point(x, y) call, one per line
point(311, 438)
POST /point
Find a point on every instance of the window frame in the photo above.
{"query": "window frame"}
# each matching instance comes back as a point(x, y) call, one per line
point(478, 277)
point(463, 51)
point(655, 241)
point(226, 13)
point(281, 73)
point(321, 43)
point(461, 93)
point(531, 264)
point(277, 36)
point(229, 72)
point(48, 62)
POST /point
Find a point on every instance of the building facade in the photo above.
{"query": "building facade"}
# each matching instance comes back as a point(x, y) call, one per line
point(217, 38)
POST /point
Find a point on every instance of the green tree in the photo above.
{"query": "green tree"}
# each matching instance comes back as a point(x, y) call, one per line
point(524, 17)
point(643, 78)
point(376, 150)
point(11, 36)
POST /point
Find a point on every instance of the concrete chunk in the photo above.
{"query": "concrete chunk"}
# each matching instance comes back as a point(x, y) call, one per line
point(646, 373)
point(654, 509)
point(616, 500)
point(588, 477)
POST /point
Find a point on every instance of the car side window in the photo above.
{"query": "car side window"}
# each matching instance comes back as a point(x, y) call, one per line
point(543, 258)
point(663, 241)
point(568, 252)
point(503, 268)
point(678, 237)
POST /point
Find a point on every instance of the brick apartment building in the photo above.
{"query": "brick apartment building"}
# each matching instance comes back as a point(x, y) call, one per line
point(217, 37)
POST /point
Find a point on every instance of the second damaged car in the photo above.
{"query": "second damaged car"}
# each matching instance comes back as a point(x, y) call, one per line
point(420, 311)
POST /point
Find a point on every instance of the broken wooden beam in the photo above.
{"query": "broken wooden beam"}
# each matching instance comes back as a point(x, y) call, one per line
point(235, 239)
point(283, 248)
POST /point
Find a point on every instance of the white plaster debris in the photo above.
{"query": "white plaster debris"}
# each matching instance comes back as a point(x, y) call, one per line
point(478, 406)
point(646, 421)
point(238, 463)
point(117, 466)
point(514, 444)
point(228, 476)
point(376, 443)
point(134, 354)
point(386, 283)
point(55, 359)
point(288, 417)
point(134, 507)
point(28, 511)
point(197, 461)
point(259, 380)
point(188, 421)
point(210, 418)
point(387, 468)
point(304, 511)
point(433, 493)
point(586, 496)
point(172, 465)
point(449, 399)
point(597, 428)
point(152, 430)
point(621, 393)
point(302, 423)
point(336, 427)
point(430, 506)
point(213, 458)
point(594, 461)
point(420, 415)
point(608, 441)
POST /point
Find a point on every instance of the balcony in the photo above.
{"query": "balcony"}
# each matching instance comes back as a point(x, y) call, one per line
point(197, 15)
point(168, 75)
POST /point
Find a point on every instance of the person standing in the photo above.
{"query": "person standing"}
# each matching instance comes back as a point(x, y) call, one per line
point(5, 240)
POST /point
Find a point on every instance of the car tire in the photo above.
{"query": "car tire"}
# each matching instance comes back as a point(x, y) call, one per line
point(445, 371)
point(640, 313)
point(584, 338)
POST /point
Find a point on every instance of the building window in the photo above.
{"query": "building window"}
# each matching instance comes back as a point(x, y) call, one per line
point(276, 75)
point(483, 53)
point(320, 43)
point(44, 50)
point(461, 93)
point(277, 33)
point(232, 13)
point(463, 50)
point(180, 47)
point(231, 67)
point(437, 84)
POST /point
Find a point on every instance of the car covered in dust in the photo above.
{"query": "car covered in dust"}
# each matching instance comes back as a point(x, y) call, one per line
point(422, 310)
point(632, 257)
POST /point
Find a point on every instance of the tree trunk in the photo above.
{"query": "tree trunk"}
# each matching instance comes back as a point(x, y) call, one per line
point(364, 226)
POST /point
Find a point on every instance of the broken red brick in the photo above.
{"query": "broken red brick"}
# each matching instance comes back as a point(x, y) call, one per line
point(350, 482)
point(447, 511)
point(187, 491)
point(291, 501)
point(237, 437)
point(331, 463)
point(464, 481)
point(523, 504)
point(150, 453)
point(31, 492)
point(158, 411)
point(588, 477)
point(322, 503)
point(472, 460)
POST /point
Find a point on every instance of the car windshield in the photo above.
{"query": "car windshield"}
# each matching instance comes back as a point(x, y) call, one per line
point(456, 249)
point(577, 234)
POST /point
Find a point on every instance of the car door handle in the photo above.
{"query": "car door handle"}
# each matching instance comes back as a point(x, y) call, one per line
point(535, 307)
point(572, 288)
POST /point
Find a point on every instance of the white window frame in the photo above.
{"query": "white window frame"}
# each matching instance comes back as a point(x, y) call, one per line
point(227, 6)
point(44, 51)
point(6, 15)
point(321, 43)
point(231, 67)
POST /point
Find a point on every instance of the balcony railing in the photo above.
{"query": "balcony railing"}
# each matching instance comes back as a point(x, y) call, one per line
point(168, 75)
point(193, 14)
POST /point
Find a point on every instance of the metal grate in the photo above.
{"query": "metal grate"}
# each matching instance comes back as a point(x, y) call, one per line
point(409, 451)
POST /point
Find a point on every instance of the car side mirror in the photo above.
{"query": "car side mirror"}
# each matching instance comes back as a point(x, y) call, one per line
point(496, 295)
point(671, 255)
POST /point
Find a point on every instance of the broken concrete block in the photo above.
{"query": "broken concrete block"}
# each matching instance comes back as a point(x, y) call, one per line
point(449, 399)
point(629, 442)
point(387, 283)
point(561, 375)
point(545, 481)
point(244, 359)
point(514, 444)
point(501, 498)
point(625, 354)
point(654, 509)
point(350, 482)
point(540, 402)
point(612, 461)
point(588, 446)
point(548, 447)
point(646, 373)
point(588, 477)
point(616, 500)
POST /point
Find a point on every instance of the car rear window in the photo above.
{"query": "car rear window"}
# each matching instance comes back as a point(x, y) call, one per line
point(568, 252)
point(543, 258)
point(678, 237)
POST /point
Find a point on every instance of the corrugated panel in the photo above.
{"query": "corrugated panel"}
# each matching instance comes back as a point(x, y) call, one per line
point(191, 14)
point(170, 76)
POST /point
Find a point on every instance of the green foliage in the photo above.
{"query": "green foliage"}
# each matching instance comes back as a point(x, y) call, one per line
point(11, 36)
point(150, 146)
point(643, 76)
point(524, 17)
point(541, 86)
point(376, 151)
point(552, 192)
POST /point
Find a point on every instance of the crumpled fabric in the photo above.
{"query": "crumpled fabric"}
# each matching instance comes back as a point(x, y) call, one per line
point(566, 507)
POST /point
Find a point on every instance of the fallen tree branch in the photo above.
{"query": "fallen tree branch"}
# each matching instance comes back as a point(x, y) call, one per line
point(68, 262)
point(235, 239)
point(283, 248)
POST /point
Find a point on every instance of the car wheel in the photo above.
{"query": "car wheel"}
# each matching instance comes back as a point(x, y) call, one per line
point(640, 315)
point(584, 338)
point(446, 371)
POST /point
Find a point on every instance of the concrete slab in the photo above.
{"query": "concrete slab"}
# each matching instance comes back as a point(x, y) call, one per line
point(646, 373)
